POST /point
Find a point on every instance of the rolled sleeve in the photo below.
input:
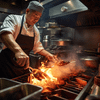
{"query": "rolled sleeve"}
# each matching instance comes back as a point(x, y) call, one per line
point(37, 44)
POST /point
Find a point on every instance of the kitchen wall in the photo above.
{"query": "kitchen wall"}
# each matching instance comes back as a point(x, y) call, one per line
point(88, 37)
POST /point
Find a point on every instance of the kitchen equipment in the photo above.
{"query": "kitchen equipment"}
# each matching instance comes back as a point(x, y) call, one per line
point(96, 87)
point(72, 89)
point(61, 42)
point(95, 93)
point(51, 25)
point(23, 91)
point(6, 83)
point(90, 52)
point(46, 41)
point(90, 61)
point(64, 8)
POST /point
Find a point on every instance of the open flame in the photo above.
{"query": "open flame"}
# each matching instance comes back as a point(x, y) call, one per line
point(47, 77)
point(51, 75)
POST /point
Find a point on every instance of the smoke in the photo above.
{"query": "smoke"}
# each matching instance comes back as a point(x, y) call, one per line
point(74, 67)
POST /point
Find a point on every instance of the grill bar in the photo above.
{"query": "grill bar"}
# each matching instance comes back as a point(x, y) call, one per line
point(72, 90)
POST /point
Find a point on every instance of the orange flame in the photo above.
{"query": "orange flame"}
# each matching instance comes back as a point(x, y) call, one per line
point(47, 80)
point(51, 72)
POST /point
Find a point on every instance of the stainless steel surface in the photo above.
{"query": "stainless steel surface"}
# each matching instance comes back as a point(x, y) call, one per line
point(46, 41)
point(7, 83)
point(86, 89)
point(61, 42)
point(96, 86)
point(45, 2)
point(90, 61)
point(72, 89)
point(58, 33)
point(46, 37)
point(35, 60)
point(74, 6)
point(95, 90)
point(92, 97)
point(51, 25)
point(23, 91)
point(53, 32)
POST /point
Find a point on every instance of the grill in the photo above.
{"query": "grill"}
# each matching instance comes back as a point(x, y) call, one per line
point(75, 86)
point(73, 89)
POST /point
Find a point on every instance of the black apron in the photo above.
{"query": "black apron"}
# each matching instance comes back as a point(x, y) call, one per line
point(8, 66)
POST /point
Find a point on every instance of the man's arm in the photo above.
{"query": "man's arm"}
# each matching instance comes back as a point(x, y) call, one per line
point(47, 54)
point(21, 57)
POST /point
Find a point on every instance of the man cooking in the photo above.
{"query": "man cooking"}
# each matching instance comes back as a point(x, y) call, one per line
point(19, 35)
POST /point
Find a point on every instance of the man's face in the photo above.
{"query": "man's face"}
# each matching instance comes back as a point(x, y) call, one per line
point(32, 17)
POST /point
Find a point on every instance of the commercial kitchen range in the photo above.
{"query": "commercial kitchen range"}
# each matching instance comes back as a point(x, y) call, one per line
point(69, 29)
point(62, 80)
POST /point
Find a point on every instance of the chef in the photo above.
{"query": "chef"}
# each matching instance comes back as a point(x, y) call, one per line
point(19, 35)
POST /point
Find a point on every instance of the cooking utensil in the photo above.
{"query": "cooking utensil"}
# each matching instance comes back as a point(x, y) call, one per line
point(90, 61)
point(62, 63)
point(46, 41)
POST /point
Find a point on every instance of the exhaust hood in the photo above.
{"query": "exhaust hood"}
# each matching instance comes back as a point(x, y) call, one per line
point(93, 5)
point(66, 8)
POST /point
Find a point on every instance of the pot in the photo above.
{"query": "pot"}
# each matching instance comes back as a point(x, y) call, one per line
point(90, 61)
point(61, 42)
point(51, 25)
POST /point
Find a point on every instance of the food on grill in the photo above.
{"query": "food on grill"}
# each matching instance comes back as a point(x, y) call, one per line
point(80, 81)
point(39, 74)
point(85, 76)
point(62, 63)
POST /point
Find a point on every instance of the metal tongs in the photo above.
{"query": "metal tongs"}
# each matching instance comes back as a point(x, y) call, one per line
point(28, 74)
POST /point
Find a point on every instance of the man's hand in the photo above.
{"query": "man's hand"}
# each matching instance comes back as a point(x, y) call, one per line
point(51, 57)
point(48, 55)
point(22, 59)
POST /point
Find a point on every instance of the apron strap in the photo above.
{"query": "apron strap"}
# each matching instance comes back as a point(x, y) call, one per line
point(21, 24)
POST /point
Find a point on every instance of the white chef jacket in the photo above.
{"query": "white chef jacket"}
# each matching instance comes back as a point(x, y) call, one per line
point(12, 23)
